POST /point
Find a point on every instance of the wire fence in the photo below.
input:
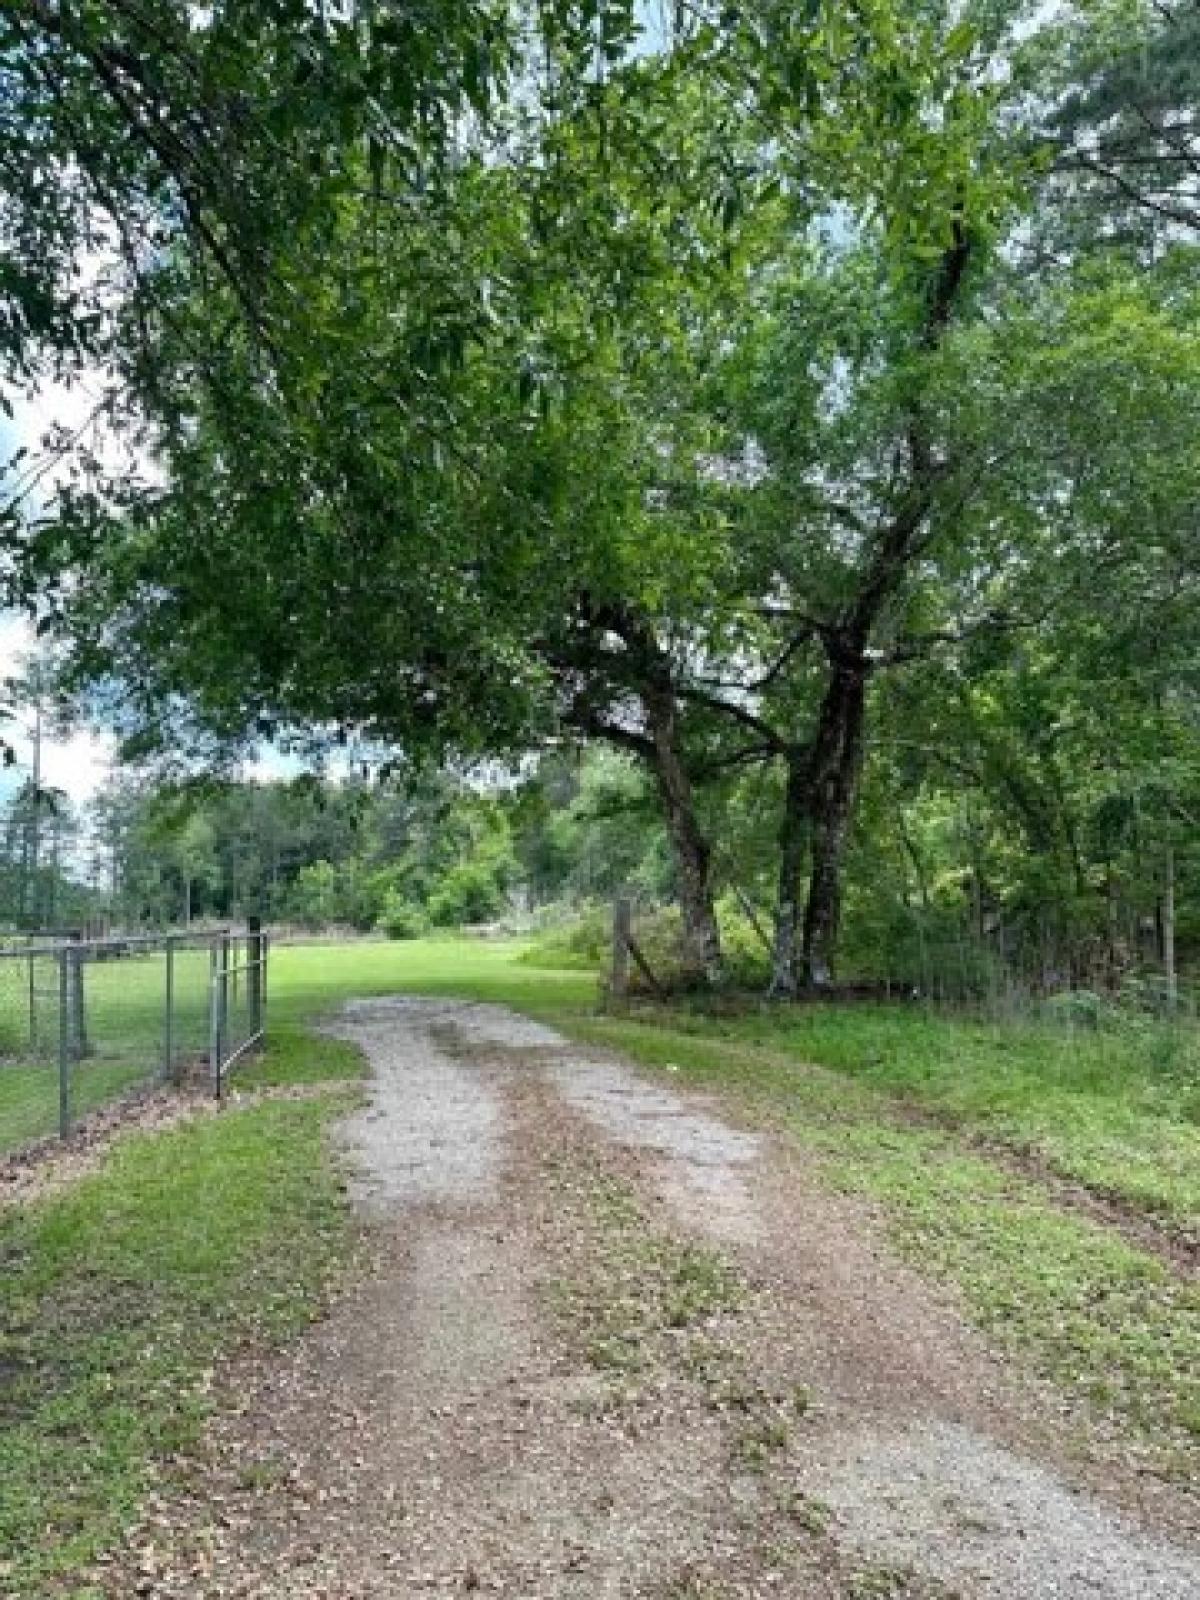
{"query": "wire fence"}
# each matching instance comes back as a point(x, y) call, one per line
point(1004, 976)
point(85, 1022)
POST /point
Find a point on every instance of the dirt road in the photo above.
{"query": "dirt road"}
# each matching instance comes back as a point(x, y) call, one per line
point(610, 1343)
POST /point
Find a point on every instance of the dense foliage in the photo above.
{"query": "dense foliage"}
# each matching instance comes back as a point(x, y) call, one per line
point(800, 401)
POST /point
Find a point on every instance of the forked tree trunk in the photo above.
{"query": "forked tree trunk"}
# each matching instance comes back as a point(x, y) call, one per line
point(793, 838)
point(701, 940)
point(834, 774)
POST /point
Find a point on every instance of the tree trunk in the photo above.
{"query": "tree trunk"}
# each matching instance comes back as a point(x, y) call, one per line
point(1170, 972)
point(1114, 925)
point(793, 832)
point(834, 773)
point(701, 936)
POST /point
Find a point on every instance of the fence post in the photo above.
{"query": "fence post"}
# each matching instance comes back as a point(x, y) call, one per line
point(80, 1018)
point(33, 1029)
point(255, 955)
point(228, 959)
point(215, 1014)
point(622, 928)
point(168, 1066)
point(66, 1036)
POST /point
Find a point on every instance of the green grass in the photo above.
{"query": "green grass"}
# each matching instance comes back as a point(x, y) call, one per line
point(29, 1096)
point(117, 1295)
point(295, 1056)
point(1104, 1318)
point(1112, 1323)
point(309, 979)
point(123, 1010)
point(1116, 1109)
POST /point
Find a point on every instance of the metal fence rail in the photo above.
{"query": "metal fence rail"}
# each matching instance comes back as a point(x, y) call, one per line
point(87, 1022)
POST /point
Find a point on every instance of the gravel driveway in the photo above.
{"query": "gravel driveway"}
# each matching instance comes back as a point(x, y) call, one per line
point(609, 1342)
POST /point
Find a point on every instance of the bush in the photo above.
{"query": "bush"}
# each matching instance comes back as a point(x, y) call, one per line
point(469, 892)
point(1079, 1008)
point(402, 919)
point(579, 944)
point(583, 942)
point(747, 955)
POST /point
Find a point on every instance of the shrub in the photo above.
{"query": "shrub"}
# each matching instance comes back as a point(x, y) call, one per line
point(469, 892)
point(402, 919)
point(581, 943)
point(1080, 1008)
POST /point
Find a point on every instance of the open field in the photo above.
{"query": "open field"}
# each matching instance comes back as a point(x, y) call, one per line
point(123, 1019)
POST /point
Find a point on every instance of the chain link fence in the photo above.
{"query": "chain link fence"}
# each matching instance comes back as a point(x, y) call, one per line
point(84, 1022)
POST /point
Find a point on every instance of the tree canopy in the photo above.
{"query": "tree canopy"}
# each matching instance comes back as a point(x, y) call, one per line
point(801, 400)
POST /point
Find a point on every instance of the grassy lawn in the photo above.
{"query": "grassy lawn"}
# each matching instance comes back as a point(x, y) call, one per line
point(1115, 1108)
point(1118, 1110)
point(29, 1096)
point(307, 979)
point(117, 1294)
point(123, 1011)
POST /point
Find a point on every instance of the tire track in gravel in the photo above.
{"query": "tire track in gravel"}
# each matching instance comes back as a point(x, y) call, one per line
point(835, 1429)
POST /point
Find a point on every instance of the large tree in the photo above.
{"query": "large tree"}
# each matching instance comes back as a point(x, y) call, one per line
point(664, 408)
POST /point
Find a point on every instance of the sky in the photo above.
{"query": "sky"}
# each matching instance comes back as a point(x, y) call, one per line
point(81, 763)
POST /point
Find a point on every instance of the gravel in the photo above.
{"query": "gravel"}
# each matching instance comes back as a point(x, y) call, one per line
point(431, 1130)
point(441, 1432)
point(955, 1504)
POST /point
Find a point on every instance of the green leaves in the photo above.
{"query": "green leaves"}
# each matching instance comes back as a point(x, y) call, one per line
point(493, 361)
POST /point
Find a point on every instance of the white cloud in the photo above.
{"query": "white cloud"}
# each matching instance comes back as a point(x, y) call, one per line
point(78, 764)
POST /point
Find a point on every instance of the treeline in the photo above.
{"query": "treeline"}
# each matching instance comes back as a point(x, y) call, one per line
point(435, 853)
point(320, 855)
point(800, 402)
point(942, 893)
point(48, 878)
